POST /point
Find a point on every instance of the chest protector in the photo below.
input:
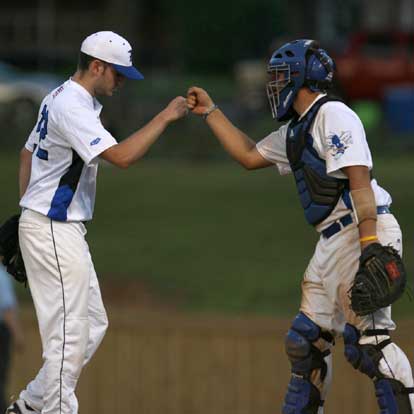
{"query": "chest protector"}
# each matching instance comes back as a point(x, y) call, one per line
point(319, 193)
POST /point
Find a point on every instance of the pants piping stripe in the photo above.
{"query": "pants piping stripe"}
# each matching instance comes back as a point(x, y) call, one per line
point(64, 319)
point(376, 339)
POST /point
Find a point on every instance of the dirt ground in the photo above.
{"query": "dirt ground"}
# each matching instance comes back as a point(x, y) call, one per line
point(135, 293)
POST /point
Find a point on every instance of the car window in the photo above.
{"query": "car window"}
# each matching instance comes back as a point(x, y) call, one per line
point(378, 46)
point(7, 71)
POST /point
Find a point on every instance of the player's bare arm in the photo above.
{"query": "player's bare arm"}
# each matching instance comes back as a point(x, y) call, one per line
point(364, 203)
point(24, 170)
point(136, 145)
point(235, 142)
point(12, 321)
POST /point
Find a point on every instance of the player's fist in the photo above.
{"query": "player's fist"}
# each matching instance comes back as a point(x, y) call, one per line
point(176, 109)
point(198, 100)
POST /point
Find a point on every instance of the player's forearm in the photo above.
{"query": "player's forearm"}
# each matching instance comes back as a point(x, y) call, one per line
point(136, 145)
point(363, 199)
point(367, 231)
point(234, 141)
point(24, 170)
point(11, 320)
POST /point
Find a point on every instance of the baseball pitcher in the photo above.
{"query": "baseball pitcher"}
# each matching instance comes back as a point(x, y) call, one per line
point(58, 172)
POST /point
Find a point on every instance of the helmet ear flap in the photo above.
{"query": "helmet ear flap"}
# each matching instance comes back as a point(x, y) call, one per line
point(319, 70)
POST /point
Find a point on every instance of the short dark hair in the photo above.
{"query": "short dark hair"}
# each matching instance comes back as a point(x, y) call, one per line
point(84, 61)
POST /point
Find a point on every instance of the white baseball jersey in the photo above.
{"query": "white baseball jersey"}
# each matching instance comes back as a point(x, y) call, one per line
point(339, 139)
point(66, 143)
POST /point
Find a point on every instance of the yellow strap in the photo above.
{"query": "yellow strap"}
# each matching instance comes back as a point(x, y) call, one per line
point(368, 238)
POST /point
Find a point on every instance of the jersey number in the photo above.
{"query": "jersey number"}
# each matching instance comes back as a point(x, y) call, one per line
point(42, 130)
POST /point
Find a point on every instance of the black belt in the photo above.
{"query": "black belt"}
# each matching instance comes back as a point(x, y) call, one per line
point(346, 220)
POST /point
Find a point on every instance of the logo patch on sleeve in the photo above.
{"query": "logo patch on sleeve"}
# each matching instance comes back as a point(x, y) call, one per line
point(95, 141)
point(337, 145)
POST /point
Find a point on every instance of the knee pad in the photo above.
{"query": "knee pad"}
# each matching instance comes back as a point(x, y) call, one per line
point(392, 395)
point(303, 355)
point(302, 395)
point(364, 358)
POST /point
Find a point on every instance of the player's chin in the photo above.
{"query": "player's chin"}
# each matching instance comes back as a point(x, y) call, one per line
point(114, 91)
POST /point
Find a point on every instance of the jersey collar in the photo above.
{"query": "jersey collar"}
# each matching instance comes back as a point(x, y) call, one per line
point(86, 96)
point(320, 96)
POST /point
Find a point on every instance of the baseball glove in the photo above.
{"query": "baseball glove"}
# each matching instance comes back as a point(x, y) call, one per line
point(380, 279)
point(10, 250)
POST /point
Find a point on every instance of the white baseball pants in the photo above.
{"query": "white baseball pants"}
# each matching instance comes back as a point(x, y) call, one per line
point(326, 301)
point(70, 312)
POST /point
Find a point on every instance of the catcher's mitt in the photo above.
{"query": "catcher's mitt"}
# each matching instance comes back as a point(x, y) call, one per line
point(380, 280)
point(9, 249)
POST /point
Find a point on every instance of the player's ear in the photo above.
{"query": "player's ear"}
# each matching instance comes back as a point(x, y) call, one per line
point(96, 67)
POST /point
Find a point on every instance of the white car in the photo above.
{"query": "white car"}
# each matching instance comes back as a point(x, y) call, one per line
point(20, 96)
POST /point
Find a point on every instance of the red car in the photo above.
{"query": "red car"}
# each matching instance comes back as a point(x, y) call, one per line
point(374, 61)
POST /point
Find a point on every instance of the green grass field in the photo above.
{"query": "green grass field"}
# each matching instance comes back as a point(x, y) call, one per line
point(211, 236)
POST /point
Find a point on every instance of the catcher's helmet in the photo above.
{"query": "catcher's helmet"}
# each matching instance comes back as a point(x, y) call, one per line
point(292, 66)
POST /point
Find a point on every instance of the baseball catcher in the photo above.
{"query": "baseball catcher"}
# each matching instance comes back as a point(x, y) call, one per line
point(354, 274)
point(10, 250)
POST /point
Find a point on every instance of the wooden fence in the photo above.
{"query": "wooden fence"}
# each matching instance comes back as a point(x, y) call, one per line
point(167, 363)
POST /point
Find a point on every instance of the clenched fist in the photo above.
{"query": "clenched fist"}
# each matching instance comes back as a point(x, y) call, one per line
point(176, 109)
point(198, 100)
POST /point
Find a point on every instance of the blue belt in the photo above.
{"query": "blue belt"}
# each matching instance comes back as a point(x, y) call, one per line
point(346, 220)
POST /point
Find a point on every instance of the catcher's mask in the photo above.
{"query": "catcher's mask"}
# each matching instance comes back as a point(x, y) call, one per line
point(292, 66)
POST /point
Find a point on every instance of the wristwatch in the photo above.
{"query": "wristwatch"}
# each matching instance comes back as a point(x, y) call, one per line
point(209, 111)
